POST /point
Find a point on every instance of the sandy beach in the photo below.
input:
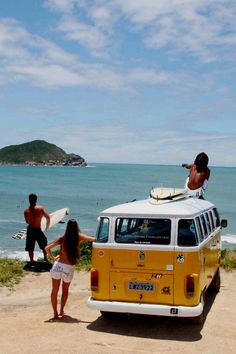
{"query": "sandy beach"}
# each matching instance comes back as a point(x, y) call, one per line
point(26, 326)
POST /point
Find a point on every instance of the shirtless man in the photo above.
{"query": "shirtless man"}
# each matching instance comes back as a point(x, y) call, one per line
point(198, 177)
point(33, 216)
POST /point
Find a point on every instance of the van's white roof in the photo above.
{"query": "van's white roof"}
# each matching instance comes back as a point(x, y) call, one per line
point(187, 207)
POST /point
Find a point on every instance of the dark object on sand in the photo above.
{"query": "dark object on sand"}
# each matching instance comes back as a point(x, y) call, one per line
point(38, 267)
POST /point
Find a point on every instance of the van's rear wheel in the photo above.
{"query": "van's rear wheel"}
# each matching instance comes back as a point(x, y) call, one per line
point(108, 314)
point(111, 315)
point(216, 282)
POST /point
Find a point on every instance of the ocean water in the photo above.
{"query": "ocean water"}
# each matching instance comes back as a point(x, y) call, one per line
point(87, 191)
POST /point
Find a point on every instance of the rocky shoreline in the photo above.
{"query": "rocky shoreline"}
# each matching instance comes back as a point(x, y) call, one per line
point(46, 164)
point(75, 162)
point(56, 163)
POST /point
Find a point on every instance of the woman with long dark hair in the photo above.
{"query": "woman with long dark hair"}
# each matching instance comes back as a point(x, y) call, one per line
point(199, 174)
point(64, 263)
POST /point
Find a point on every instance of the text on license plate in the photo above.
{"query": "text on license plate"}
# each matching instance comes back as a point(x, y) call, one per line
point(144, 286)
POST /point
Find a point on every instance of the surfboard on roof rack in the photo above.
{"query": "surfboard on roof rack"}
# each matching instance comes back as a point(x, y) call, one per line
point(164, 194)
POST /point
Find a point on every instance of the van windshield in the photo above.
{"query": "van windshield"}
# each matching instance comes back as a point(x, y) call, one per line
point(103, 230)
point(140, 230)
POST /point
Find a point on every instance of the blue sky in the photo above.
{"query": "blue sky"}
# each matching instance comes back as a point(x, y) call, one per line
point(130, 81)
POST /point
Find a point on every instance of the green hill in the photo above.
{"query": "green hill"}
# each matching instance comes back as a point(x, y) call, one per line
point(38, 152)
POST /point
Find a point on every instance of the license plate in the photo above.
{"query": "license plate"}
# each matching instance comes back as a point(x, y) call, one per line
point(143, 286)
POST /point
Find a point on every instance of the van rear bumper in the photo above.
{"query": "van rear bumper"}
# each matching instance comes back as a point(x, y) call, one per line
point(146, 309)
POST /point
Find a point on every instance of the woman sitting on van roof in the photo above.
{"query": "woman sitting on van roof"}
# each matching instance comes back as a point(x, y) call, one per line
point(197, 180)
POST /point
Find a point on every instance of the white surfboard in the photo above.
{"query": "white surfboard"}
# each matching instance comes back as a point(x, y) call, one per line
point(161, 195)
point(55, 218)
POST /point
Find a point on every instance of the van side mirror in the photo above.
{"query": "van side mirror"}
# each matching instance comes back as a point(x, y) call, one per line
point(224, 223)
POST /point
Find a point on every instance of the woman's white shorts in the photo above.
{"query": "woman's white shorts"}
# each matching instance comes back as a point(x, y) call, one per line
point(62, 271)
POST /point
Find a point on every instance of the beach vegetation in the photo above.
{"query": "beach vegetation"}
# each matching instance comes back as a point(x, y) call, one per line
point(85, 256)
point(11, 272)
point(228, 259)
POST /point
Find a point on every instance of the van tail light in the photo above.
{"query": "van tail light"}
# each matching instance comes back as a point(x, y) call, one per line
point(189, 285)
point(94, 279)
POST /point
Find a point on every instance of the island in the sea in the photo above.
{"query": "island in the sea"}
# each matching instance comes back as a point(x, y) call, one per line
point(39, 152)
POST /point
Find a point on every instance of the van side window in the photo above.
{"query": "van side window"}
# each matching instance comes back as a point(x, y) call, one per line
point(216, 217)
point(140, 230)
point(203, 221)
point(199, 228)
point(187, 235)
point(212, 221)
point(208, 223)
point(103, 230)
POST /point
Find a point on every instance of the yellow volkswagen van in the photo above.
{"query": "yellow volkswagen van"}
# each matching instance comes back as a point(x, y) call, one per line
point(156, 257)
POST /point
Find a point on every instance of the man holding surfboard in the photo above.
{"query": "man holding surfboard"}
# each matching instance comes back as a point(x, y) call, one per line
point(33, 217)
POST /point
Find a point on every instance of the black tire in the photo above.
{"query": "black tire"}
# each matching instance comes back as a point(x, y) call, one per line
point(107, 314)
point(216, 282)
point(113, 315)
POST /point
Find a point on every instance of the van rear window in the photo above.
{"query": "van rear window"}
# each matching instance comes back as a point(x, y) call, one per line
point(140, 230)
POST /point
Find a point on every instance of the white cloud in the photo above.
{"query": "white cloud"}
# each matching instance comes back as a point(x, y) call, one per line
point(149, 76)
point(101, 15)
point(106, 143)
point(46, 75)
point(200, 28)
point(18, 45)
point(145, 96)
point(60, 5)
point(112, 142)
point(87, 35)
point(25, 57)
point(197, 27)
point(40, 62)
point(88, 24)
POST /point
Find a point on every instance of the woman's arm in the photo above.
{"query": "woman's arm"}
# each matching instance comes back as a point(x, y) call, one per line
point(186, 165)
point(51, 245)
point(84, 237)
